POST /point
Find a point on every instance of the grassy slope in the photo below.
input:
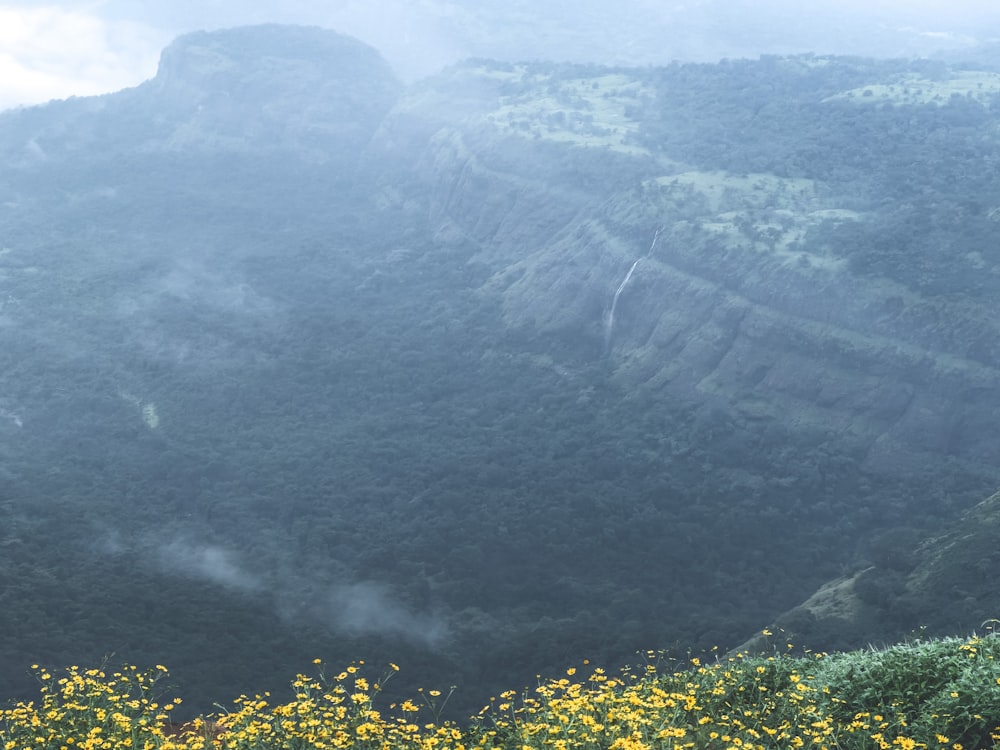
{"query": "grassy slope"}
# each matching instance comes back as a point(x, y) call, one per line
point(942, 583)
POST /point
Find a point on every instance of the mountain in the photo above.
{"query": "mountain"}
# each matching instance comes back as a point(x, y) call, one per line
point(755, 294)
point(515, 365)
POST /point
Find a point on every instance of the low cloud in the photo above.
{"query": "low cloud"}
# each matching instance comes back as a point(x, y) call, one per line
point(357, 609)
point(208, 563)
point(369, 608)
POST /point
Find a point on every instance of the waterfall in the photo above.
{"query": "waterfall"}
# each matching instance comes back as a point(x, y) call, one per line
point(609, 323)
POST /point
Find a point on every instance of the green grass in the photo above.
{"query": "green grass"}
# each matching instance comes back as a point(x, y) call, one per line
point(590, 112)
point(928, 694)
point(912, 89)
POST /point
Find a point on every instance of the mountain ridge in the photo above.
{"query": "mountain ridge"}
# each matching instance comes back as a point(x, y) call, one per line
point(348, 377)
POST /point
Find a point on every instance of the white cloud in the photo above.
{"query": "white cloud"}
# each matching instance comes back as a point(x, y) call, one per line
point(367, 608)
point(51, 53)
point(357, 609)
point(207, 562)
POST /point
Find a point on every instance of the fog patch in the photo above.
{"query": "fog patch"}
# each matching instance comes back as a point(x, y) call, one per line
point(206, 562)
point(190, 281)
point(112, 544)
point(367, 608)
point(165, 316)
point(355, 609)
point(10, 415)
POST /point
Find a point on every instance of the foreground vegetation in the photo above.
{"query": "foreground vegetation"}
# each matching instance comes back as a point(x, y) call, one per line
point(930, 694)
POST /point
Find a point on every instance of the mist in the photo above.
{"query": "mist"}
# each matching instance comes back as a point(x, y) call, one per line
point(357, 609)
point(77, 48)
point(532, 346)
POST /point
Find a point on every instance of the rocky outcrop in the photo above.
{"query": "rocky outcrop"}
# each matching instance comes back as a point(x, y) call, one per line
point(268, 87)
point(255, 90)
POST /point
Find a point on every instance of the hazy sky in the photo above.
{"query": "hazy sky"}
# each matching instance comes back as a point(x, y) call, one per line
point(80, 47)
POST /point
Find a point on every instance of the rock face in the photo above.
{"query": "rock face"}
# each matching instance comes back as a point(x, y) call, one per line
point(271, 87)
point(740, 304)
point(262, 90)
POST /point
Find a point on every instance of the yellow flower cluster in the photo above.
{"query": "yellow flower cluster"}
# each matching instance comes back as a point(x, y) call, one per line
point(89, 710)
point(730, 705)
point(326, 714)
point(737, 703)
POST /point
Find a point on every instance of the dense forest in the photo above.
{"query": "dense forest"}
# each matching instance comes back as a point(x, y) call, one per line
point(514, 366)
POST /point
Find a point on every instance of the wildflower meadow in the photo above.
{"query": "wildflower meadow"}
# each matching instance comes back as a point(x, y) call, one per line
point(937, 694)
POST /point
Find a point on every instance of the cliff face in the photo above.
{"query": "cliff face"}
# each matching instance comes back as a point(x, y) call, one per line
point(259, 90)
point(269, 88)
point(727, 289)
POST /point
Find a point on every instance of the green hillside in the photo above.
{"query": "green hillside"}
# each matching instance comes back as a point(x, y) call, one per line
point(517, 365)
point(935, 585)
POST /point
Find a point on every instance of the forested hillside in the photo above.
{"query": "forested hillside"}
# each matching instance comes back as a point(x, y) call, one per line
point(514, 366)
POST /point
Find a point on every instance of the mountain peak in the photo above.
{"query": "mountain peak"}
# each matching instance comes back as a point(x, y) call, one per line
point(215, 58)
point(263, 84)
